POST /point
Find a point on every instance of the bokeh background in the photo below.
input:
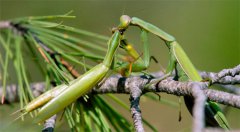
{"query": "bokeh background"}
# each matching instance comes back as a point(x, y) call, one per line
point(208, 31)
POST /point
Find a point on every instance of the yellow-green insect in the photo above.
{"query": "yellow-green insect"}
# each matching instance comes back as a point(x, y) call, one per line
point(60, 97)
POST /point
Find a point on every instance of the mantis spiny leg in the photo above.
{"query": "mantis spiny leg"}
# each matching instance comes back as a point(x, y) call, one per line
point(179, 61)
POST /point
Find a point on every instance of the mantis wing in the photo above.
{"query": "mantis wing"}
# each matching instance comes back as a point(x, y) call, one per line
point(185, 62)
point(193, 75)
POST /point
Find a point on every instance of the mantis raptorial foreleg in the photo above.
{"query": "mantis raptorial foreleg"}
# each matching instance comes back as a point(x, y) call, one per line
point(179, 61)
point(139, 63)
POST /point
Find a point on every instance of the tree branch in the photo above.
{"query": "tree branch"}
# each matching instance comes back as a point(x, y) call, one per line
point(226, 76)
point(135, 94)
point(232, 88)
point(223, 98)
point(198, 109)
point(135, 87)
point(5, 24)
point(116, 84)
point(49, 124)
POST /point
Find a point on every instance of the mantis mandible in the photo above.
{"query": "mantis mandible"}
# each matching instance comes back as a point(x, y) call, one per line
point(179, 62)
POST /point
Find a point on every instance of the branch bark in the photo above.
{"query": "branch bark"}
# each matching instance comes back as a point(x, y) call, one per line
point(116, 84)
point(135, 87)
point(49, 124)
point(135, 94)
point(225, 76)
point(198, 109)
point(5, 24)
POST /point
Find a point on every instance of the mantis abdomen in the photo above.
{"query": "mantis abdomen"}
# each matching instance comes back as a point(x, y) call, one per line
point(82, 84)
point(74, 91)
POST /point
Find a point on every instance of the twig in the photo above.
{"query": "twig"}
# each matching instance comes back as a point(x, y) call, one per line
point(5, 24)
point(229, 80)
point(136, 114)
point(194, 89)
point(223, 97)
point(135, 94)
point(198, 109)
point(49, 124)
point(11, 93)
point(231, 88)
point(226, 76)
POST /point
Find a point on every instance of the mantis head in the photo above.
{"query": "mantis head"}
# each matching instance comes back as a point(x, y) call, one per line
point(125, 20)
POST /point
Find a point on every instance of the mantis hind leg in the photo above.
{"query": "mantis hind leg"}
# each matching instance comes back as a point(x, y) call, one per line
point(171, 66)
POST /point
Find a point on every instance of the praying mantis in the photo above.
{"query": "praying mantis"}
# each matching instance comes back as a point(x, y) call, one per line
point(52, 99)
point(179, 62)
point(84, 82)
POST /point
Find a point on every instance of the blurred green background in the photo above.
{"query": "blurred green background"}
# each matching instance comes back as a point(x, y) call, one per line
point(208, 31)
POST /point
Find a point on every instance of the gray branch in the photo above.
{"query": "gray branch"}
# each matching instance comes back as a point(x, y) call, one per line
point(226, 76)
point(135, 87)
point(116, 84)
point(135, 94)
point(231, 88)
point(198, 109)
point(5, 24)
point(37, 89)
point(223, 98)
point(229, 80)
point(49, 124)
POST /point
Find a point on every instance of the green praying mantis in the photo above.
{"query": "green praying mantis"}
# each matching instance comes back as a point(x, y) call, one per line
point(179, 62)
point(77, 88)
point(60, 97)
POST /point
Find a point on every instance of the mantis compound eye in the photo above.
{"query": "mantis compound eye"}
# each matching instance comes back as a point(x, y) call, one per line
point(124, 21)
point(114, 29)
